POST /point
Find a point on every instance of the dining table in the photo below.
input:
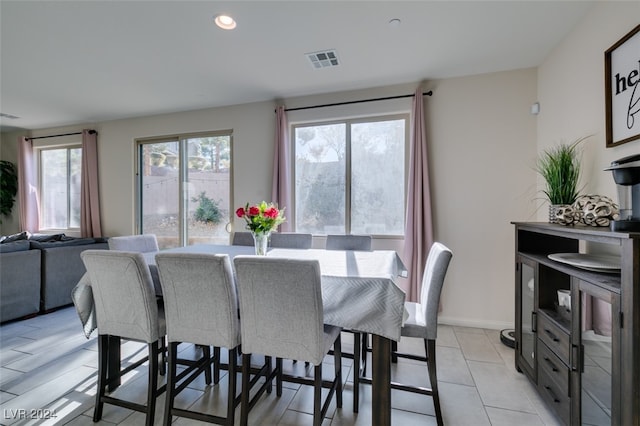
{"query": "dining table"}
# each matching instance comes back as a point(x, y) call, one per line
point(359, 293)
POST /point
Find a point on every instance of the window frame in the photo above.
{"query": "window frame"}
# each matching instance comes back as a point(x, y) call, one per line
point(349, 121)
point(41, 196)
point(181, 139)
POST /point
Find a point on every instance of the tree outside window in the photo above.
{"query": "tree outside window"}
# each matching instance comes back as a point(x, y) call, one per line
point(60, 180)
point(350, 176)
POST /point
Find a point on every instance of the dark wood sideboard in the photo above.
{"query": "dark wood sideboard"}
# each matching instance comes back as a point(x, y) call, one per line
point(587, 377)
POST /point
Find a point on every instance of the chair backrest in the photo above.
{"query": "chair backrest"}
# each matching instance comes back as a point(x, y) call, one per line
point(242, 239)
point(123, 294)
point(348, 242)
point(432, 280)
point(291, 240)
point(144, 243)
point(281, 307)
point(200, 300)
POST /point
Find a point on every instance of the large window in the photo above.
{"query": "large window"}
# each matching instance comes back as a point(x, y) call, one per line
point(350, 176)
point(185, 189)
point(60, 177)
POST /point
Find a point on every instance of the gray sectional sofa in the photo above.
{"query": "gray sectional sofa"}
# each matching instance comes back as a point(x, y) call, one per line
point(38, 272)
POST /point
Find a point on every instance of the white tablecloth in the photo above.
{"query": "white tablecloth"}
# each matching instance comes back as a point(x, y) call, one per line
point(358, 288)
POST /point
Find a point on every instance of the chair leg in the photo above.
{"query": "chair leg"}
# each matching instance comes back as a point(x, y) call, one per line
point(337, 362)
point(364, 349)
point(171, 382)
point(357, 353)
point(216, 364)
point(206, 356)
point(267, 360)
point(152, 391)
point(233, 381)
point(394, 351)
point(103, 346)
point(163, 356)
point(430, 349)
point(244, 405)
point(317, 395)
point(279, 377)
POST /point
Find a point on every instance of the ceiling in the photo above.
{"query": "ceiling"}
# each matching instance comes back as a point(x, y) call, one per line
point(72, 62)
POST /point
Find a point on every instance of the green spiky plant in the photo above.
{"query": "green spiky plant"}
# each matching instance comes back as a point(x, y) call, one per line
point(8, 187)
point(560, 168)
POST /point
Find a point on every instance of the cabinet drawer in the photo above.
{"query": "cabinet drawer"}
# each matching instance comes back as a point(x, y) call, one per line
point(555, 338)
point(554, 368)
point(554, 396)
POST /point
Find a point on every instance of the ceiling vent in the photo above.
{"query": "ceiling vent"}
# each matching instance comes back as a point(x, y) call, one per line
point(323, 59)
point(3, 115)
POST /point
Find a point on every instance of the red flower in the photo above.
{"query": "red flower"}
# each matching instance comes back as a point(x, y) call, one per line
point(271, 212)
point(261, 217)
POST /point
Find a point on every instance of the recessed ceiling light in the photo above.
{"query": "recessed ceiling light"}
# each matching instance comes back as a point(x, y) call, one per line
point(225, 22)
point(395, 22)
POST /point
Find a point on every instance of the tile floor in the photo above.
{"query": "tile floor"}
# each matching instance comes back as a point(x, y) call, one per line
point(48, 366)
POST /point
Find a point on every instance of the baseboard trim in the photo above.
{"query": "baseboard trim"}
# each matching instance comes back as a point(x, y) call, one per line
point(475, 323)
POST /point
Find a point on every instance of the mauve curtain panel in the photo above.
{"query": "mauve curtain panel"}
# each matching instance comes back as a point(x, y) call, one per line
point(281, 188)
point(418, 234)
point(90, 225)
point(28, 188)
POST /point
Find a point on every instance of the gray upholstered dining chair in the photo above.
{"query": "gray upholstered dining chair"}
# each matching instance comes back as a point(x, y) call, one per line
point(348, 242)
point(144, 243)
point(125, 306)
point(281, 315)
point(351, 242)
point(291, 240)
point(422, 323)
point(201, 307)
point(242, 238)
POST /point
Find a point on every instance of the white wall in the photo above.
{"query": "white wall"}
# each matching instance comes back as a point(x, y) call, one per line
point(572, 97)
point(481, 144)
point(482, 148)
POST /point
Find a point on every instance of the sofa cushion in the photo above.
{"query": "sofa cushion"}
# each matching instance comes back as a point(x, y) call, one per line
point(65, 242)
point(46, 237)
point(62, 268)
point(22, 245)
point(15, 237)
point(19, 283)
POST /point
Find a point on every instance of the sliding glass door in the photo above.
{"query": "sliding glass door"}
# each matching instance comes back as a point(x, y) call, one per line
point(185, 189)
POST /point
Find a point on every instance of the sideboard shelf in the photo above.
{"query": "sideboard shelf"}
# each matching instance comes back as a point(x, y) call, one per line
point(584, 359)
point(608, 281)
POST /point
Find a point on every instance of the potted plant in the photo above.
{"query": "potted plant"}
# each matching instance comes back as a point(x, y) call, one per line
point(560, 168)
point(8, 187)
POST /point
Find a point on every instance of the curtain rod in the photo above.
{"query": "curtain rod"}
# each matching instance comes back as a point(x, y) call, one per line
point(91, 132)
point(429, 93)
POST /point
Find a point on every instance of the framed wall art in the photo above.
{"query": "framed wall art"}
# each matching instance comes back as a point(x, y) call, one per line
point(622, 89)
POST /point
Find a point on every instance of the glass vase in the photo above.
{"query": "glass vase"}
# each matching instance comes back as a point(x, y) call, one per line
point(261, 241)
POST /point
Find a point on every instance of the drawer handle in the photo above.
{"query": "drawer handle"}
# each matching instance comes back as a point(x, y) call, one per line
point(553, 336)
point(553, 366)
point(553, 396)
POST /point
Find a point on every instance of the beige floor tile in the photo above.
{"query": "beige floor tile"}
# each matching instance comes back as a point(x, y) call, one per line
point(501, 387)
point(477, 379)
point(501, 417)
point(477, 347)
point(452, 367)
point(461, 405)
